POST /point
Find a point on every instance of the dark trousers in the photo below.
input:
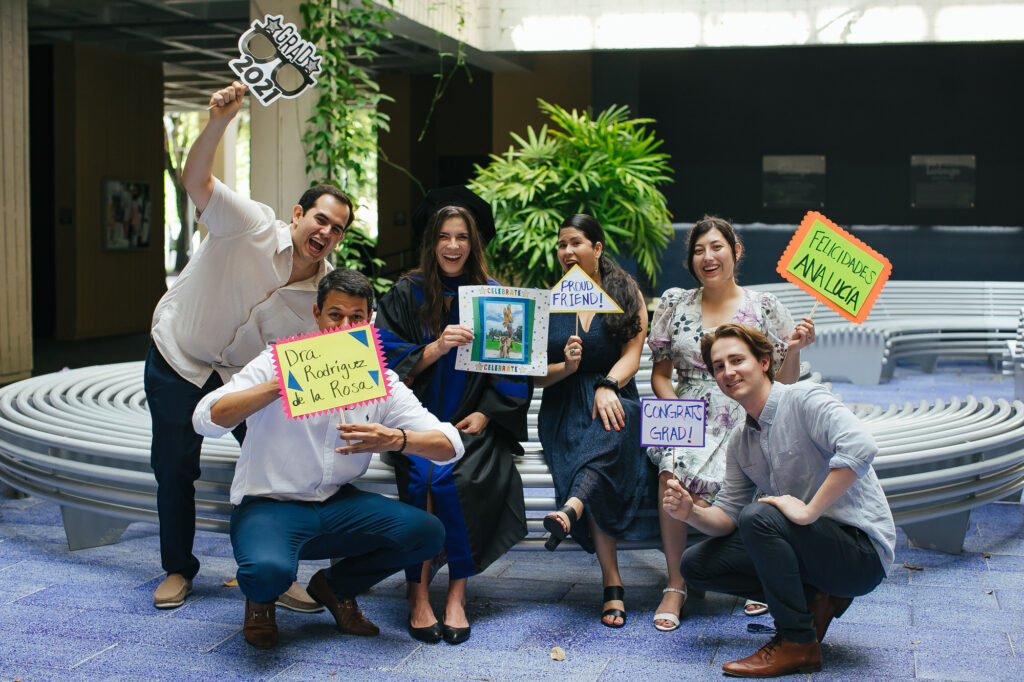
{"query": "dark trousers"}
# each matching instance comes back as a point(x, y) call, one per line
point(773, 560)
point(174, 457)
point(376, 535)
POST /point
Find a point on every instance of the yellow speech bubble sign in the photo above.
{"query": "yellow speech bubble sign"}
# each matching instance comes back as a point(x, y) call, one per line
point(576, 292)
point(835, 267)
point(330, 370)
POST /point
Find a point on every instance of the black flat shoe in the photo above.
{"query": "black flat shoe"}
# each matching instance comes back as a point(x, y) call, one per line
point(454, 635)
point(613, 593)
point(428, 635)
point(554, 526)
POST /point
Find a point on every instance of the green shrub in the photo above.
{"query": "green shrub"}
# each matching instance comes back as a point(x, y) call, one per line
point(606, 166)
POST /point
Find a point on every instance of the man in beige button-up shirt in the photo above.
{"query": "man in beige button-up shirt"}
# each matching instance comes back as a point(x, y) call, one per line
point(252, 281)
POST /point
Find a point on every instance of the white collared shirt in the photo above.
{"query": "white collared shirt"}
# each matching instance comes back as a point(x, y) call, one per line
point(231, 300)
point(294, 459)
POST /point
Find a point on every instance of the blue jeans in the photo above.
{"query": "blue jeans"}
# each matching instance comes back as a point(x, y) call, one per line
point(376, 536)
point(773, 560)
point(174, 457)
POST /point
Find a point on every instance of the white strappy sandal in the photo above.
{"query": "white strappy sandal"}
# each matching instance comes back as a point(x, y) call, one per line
point(671, 617)
point(754, 608)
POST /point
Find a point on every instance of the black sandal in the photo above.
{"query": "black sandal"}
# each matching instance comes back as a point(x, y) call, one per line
point(613, 593)
point(554, 526)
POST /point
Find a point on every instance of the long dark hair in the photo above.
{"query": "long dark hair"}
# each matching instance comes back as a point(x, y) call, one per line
point(433, 313)
point(615, 281)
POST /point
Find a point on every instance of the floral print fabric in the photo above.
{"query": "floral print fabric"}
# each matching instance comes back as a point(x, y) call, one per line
point(675, 334)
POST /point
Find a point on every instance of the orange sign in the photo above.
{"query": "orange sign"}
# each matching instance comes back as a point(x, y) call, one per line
point(835, 267)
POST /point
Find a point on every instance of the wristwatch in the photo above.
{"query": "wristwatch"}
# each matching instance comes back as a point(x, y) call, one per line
point(606, 382)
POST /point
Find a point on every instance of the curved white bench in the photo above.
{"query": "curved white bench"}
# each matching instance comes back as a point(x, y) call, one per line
point(1013, 362)
point(911, 321)
point(81, 439)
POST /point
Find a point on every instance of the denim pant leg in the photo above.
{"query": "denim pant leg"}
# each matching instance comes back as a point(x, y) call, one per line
point(174, 458)
point(794, 561)
point(377, 536)
point(266, 536)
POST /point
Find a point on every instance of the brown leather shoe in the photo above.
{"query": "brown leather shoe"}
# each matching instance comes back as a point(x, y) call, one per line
point(824, 607)
point(260, 628)
point(346, 612)
point(777, 657)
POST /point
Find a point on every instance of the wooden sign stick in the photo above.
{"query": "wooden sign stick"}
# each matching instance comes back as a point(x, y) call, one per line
point(344, 423)
point(811, 316)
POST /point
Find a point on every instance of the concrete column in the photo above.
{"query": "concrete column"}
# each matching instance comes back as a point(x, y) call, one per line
point(224, 158)
point(278, 159)
point(15, 248)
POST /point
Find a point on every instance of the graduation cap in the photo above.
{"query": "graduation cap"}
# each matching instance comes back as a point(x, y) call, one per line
point(456, 195)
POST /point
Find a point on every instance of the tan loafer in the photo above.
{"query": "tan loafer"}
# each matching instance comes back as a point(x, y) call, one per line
point(297, 599)
point(171, 592)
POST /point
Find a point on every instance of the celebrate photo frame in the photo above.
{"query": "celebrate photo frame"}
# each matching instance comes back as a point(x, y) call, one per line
point(510, 330)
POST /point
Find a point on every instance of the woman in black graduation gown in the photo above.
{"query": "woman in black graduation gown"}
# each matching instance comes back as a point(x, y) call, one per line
point(480, 498)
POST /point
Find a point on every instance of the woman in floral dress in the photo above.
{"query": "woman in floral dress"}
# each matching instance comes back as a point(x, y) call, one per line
point(681, 318)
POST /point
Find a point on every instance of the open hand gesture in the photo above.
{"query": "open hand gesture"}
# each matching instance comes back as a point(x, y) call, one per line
point(368, 438)
point(607, 405)
point(792, 508)
point(473, 423)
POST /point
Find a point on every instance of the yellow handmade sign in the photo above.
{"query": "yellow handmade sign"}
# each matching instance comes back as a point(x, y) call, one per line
point(577, 293)
point(329, 370)
point(835, 267)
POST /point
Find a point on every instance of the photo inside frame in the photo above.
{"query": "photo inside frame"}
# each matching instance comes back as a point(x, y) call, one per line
point(503, 329)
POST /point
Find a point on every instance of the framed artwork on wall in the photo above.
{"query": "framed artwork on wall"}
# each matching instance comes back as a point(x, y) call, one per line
point(942, 180)
point(793, 181)
point(126, 211)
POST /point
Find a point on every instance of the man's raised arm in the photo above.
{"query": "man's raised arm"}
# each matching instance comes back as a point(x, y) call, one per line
point(197, 176)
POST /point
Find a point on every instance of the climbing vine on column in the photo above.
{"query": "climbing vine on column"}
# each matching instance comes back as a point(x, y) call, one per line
point(341, 137)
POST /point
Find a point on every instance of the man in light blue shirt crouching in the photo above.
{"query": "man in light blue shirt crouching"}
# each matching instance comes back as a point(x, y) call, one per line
point(821, 534)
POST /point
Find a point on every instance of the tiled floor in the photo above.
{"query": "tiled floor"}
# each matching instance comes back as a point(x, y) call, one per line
point(88, 614)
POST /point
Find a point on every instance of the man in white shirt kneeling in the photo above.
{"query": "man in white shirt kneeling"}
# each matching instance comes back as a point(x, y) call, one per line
point(292, 495)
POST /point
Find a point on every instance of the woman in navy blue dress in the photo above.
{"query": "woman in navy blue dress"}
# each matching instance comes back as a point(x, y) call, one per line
point(590, 416)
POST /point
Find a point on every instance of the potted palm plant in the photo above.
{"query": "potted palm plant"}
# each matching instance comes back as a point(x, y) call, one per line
point(607, 166)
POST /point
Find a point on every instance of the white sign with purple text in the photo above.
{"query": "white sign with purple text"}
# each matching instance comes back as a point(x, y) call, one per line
point(672, 423)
